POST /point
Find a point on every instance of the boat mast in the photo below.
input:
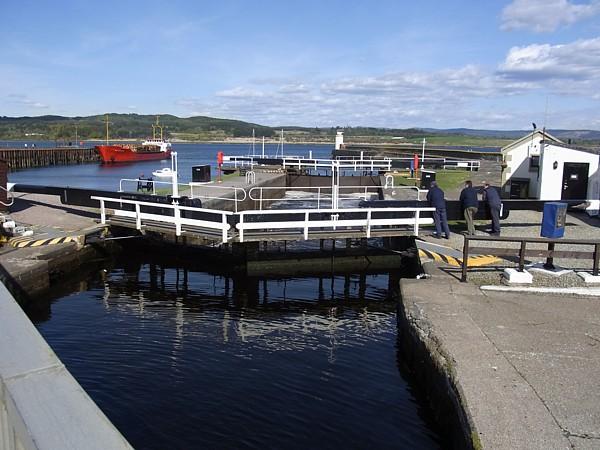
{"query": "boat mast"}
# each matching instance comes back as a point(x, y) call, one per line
point(154, 127)
point(263, 147)
point(106, 122)
point(253, 142)
point(282, 142)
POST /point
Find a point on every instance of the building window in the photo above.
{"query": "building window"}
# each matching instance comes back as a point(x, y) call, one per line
point(534, 163)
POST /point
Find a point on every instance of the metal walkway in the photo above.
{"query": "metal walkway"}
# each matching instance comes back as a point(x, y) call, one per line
point(266, 225)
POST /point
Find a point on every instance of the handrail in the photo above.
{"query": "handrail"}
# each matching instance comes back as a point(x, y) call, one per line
point(176, 219)
point(313, 218)
point(236, 190)
point(363, 190)
point(550, 253)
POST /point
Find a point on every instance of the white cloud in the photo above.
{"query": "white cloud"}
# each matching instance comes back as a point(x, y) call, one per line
point(546, 15)
point(578, 61)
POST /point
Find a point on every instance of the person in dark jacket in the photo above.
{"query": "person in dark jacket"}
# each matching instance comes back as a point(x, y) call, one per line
point(435, 197)
point(492, 198)
point(469, 204)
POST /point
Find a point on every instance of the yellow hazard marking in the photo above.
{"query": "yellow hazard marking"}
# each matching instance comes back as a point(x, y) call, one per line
point(22, 242)
point(473, 261)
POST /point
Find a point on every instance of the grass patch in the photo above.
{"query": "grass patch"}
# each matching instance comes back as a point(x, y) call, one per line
point(446, 179)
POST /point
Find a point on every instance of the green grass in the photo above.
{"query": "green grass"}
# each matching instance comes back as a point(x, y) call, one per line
point(474, 141)
point(446, 179)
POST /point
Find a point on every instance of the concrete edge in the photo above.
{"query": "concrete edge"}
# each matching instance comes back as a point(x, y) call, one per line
point(579, 291)
point(434, 370)
point(38, 395)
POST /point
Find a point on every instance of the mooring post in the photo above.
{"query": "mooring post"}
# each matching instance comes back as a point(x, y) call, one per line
point(549, 264)
point(465, 260)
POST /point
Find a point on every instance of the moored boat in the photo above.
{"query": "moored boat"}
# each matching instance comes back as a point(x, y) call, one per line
point(165, 172)
point(152, 149)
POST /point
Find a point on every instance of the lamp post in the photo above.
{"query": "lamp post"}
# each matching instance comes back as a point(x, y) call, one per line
point(423, 155)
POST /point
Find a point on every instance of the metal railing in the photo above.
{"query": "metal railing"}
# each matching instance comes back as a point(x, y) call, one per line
point(140, 211)
point(550, 253)
point(236, 194)
point(359, 220)
point(9, 196)
point(470, 165)
point(145, 185)
point(323, 194)
point(192, 190)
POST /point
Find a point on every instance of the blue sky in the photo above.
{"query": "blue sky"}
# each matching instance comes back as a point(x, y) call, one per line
point(478, 64)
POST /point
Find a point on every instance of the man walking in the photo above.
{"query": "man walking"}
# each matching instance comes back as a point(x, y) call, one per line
point(492, 197)
point(469, 204)
point(435, 197)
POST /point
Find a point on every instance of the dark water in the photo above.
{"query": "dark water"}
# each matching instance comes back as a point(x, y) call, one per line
point(107, 176)
point(181, 358)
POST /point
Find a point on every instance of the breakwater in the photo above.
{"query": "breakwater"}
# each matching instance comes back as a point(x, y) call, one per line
point(25, 158)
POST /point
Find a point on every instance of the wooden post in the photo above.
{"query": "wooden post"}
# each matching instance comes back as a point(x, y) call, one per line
point(549, 264)
point(522, 256)
point(596, 259)
point(465, 259)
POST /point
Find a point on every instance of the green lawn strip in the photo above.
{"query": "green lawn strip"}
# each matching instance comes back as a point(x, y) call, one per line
point(446, 179)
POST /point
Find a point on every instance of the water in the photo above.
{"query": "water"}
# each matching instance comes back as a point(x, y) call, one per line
point(178, 357)
point(107, 176)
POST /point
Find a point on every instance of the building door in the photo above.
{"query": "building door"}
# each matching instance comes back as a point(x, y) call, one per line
point(575, 181)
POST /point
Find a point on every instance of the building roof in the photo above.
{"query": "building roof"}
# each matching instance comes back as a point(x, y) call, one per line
point(544, 136)
point(592, 150)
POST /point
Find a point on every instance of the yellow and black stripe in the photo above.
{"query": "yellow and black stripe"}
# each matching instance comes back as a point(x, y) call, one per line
point(473, 261)
point(22, 242)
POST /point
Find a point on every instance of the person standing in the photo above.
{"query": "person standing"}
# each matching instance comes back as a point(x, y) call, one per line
point(492, 198)
point(469, 204)
point(435, 197)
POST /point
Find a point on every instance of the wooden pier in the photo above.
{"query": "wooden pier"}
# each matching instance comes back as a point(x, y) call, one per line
point(25, 158)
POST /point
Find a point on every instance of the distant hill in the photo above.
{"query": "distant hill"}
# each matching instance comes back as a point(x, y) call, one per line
point(515, 134)
point(201, 128)
point(126, 126)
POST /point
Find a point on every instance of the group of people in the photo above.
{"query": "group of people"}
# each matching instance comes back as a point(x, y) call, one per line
point(469, 202)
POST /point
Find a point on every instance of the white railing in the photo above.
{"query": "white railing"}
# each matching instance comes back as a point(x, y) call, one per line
point(311, 219)
point(176, 219)
point(470, 165)
point(41, 405)
point(202, 191)
point(341, 164)
point(213, 192)
point(260, 194)
point(145, 185)
point(9, 195)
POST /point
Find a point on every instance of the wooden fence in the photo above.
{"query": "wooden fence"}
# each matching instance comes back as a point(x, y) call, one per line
point(24, 158)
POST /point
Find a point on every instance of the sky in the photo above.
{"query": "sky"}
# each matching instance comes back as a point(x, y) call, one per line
point(442, 64)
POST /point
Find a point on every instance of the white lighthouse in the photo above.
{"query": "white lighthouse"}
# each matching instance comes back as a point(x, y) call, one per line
point(339, 140)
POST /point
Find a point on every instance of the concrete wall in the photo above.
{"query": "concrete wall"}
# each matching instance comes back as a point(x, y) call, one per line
point(41, 405)
point(517, 166)
point(551, 179)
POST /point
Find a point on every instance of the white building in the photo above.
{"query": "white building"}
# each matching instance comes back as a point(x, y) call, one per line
point(339, 140)
point(540, 166)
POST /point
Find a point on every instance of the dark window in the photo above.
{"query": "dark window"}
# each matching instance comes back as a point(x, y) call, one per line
point(534, 163)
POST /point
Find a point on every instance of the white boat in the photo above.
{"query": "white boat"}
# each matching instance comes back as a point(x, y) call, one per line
point(163, 173)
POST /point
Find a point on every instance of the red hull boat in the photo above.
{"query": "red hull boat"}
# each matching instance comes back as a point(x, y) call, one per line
point(152, 149)
point(129, 153)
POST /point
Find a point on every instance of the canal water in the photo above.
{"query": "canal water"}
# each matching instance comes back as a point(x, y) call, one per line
point(179, 357)
point(107, 176)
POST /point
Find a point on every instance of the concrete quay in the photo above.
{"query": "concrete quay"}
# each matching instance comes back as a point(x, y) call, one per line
point(30, 272)
point(521, 370)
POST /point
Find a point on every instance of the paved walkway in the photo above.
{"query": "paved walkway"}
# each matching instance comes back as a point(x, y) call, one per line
point(526, 366)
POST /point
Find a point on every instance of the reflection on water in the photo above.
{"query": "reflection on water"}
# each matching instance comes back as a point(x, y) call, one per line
point(179, 358)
